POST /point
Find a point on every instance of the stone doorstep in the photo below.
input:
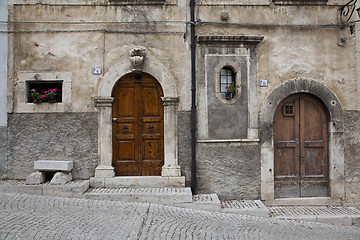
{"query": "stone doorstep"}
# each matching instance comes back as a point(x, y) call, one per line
point(137, 182)
point(206, 202)
point(347, 216)
point(167, 196)
point(245, 207)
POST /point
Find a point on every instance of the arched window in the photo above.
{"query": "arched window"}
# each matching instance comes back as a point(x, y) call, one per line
point(228, 85)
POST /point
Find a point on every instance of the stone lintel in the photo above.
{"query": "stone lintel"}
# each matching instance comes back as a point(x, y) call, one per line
point(229, 39)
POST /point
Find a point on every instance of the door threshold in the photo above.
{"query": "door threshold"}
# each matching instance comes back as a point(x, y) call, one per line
point(304, 201)
point(137, 181)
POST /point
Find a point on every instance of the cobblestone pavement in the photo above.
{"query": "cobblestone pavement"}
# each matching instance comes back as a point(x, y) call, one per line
point(41, 217)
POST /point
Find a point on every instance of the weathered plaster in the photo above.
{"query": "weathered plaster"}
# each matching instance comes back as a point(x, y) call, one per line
point(3, 89)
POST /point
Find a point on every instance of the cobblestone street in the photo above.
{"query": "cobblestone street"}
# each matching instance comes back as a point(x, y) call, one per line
point(41, 217)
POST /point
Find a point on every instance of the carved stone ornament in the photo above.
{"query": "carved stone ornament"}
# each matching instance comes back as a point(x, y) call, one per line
point(137, 58)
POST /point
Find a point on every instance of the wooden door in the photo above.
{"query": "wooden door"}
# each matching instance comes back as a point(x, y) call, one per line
point(138, 126)
point(301, 148)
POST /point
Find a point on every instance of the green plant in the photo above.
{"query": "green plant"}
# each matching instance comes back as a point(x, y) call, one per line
point(232, 88)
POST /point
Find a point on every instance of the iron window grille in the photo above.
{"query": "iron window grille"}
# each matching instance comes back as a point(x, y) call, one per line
point(288, 110)
point(227, 77)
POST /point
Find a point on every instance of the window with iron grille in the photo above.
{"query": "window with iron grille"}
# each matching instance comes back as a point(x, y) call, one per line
point(227, 77)
point(43, 88)
point(288, 110)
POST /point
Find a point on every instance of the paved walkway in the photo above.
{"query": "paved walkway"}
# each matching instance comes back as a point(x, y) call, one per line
point(42, 217)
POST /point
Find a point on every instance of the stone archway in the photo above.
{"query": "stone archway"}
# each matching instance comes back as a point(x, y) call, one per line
point(336, 145)
point(170, 175)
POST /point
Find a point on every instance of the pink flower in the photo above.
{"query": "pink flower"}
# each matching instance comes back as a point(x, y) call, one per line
point(228, 89)
point(46, 92)
point(53, 90)
point(42, 96)
point(33, 90)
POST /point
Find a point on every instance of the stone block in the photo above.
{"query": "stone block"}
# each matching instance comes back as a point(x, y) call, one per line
point(61, 178)
point(35, 178)
point(48, 165)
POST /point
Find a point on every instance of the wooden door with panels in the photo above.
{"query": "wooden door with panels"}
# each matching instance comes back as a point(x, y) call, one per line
point(301, 148)
point(138, 126)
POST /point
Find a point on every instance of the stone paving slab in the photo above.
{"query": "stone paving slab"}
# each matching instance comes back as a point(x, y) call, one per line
point(182, 197)
point(246, 207)
point(331, 215)
point(36, 217)
point(169, 196)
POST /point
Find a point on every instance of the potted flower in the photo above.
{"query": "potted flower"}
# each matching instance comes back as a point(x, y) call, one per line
point(230, 90)
point(39, 97)
point(50, 94)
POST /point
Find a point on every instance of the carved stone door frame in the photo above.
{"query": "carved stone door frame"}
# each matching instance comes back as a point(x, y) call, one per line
point(104, 101)
point(335, 138)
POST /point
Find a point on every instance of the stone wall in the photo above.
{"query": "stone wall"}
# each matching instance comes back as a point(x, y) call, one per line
point(184, 145)
point(4, 165)
point(352, 156)
point(67, 136)
point(232, 170)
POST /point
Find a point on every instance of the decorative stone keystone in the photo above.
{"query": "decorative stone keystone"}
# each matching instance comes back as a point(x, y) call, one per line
point(137, 58)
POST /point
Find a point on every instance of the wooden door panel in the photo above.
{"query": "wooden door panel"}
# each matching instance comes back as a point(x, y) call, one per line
point(313, 162)
point(138, 129)
point(125, 162)
point(313, 158)
point(126, 99)
point(150, 101)
point(300, 151)
point(286, 140)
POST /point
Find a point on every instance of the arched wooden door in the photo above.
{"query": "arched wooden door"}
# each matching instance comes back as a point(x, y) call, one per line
point(138, 126)
point(301, 148)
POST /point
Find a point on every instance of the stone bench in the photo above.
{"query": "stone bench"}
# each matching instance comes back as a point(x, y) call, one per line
point(60, 168)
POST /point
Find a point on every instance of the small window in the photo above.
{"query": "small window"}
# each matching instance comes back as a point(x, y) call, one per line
point(288, 110)
point(44, 91)
point(228, 87)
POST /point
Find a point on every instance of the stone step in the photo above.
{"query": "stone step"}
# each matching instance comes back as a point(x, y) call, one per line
point(168, 196)
point(245, 207)
point(207, 202)
point(325, 214)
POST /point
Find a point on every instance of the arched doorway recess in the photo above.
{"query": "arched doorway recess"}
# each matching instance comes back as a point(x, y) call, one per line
point(336, 189)
point(138, 126)
point(301, 147)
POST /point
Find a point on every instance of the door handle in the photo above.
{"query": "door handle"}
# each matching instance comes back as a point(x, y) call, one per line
point(114, 119)
point(151, 128)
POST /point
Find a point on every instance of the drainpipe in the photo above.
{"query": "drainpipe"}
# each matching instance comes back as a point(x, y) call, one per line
point(193, 98)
